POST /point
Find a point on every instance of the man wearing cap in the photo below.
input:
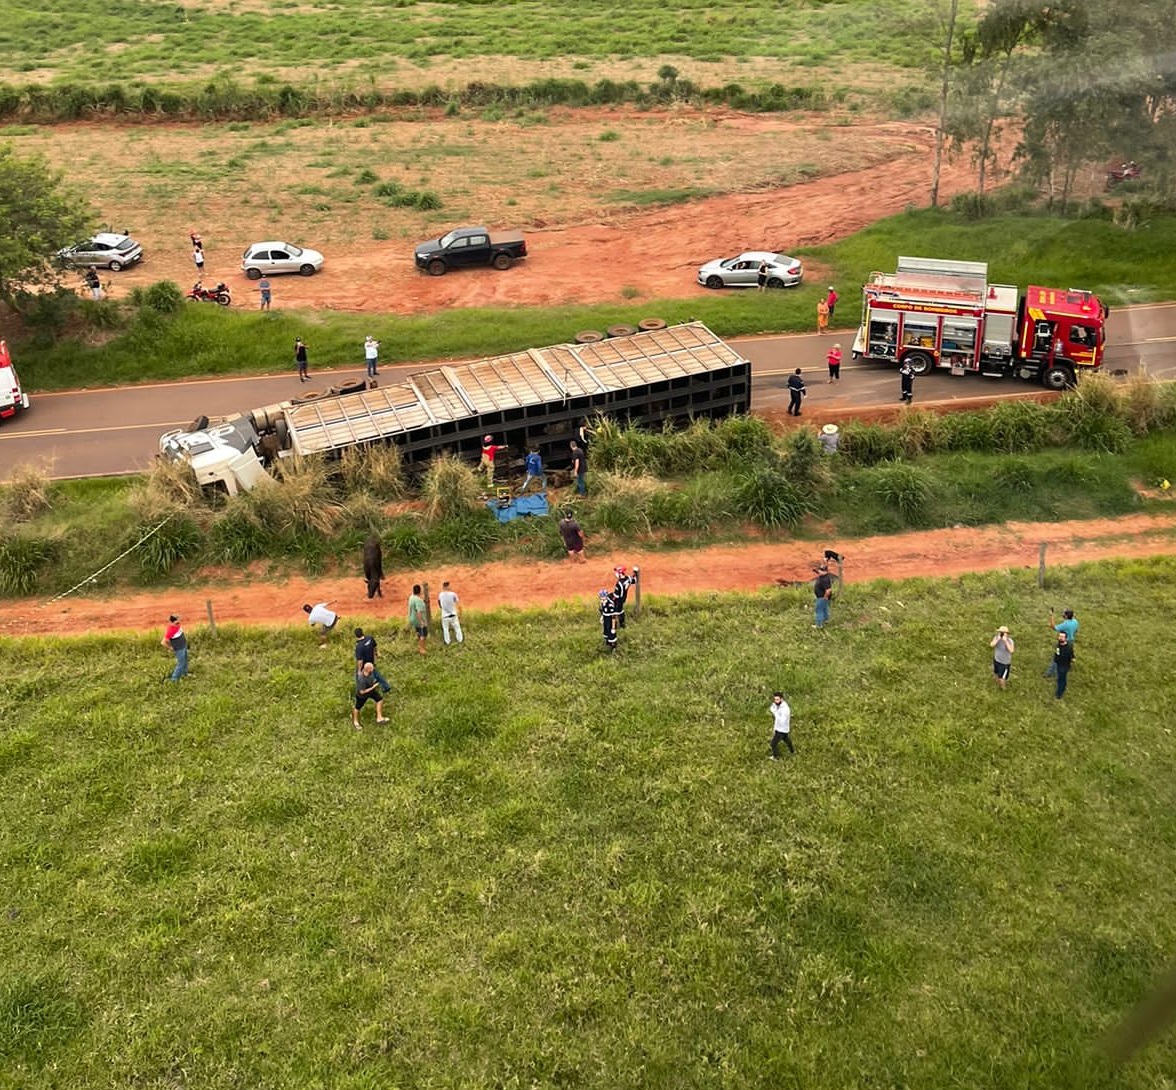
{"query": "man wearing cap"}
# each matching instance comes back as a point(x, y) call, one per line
point(833, 359)
point(371, 355)
point(174, 638)
point(489, 451)
point(1069, 625)
point(831, 301)
point(608, 620)
point(1002, 655)
point(796, 391)
point(823, 589)
point(830, 435)
point(621, 591)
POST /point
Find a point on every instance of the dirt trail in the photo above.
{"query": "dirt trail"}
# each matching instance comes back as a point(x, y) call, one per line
point(934, 553)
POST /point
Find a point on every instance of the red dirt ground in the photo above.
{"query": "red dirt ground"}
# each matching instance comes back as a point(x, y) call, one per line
point(933, 554)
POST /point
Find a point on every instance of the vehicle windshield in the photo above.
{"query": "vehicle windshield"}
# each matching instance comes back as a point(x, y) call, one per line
point(447, 239)
point(126, 244)
point(293, 251)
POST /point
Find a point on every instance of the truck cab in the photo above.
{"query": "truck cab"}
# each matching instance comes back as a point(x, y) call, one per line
point(13, 399)
point(221, 455)
point(1062, 333)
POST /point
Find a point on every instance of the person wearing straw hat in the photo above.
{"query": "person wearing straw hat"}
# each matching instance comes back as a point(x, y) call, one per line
point(1002, 655)
point(830, 436)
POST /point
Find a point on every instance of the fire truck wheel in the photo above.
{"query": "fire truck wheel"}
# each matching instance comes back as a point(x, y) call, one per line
point(920, 362)
point(1057, 378)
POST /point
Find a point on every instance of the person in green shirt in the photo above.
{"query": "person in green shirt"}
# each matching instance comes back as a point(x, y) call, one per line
point(418, 617)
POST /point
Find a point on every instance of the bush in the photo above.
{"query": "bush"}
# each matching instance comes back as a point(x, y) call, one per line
point(238, 535)
point(471, 537)
point(804, 462)
point(868, 444)
point(29, 493)
point(450, 489)
point(920, 432)
point(766, 496)
point(907, 489)
point(23, 559)
point(177, 539)
point(376, 468)
point(1020, 426)
point(163, 297)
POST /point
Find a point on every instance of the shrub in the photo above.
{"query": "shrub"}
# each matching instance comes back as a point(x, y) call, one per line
point(403, 541)
point(377, 468)
point(920, 432)
point(177, 539)
point(804, 462)
point(22, 561)
point(450, 489)
point(1019, 426)
point(238, 535)
point(471, 536)
point(164, 297)
point(868, 444)
point(967, 431)
point(623, 502)
point(766, 496)
point(304, 498)
point(906, 488)
point(29, 493)
point(745, 438)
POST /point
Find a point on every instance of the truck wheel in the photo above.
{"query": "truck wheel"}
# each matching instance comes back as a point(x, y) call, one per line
point(253, 274)
point(282, 432)
point(920, 362)
point(621, 331)
point(502, 262)
point(714, 281)
point(589, 336)
point(436, 267)
point(648, 325)
point(1057, 378)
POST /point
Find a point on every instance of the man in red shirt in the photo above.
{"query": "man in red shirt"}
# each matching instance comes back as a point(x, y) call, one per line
point(174, 638)
point(489, 450)
point(831, 301)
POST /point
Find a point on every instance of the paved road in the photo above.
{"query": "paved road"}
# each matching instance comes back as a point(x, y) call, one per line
point(85, 433)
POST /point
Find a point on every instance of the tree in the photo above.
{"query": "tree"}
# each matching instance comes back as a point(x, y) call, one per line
point(947, 17)
point(38, 216)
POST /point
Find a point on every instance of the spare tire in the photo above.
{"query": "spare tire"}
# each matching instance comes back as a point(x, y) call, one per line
point(589, 336)
point(648, 325)
point(621, 330)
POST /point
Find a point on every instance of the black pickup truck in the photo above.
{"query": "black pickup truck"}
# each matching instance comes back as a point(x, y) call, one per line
point(470, 246)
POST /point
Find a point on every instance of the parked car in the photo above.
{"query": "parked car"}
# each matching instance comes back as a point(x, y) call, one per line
point(104, 251)
point(269, 258)
point(470, 246)
point(743, 271)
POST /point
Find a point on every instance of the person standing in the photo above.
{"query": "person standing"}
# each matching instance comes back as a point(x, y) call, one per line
point(620, 591)
point(831, 301)
point(781, 725)
point(1002, 655)
point(1063, 659)
point(608, 621)
point(823, 590)
point(177, 642)
point(796, 391)
point(371, 355)
point(584, 435)
point(822, 315)
point(365, 652)
point(906, 381)
point(573, 537)
point(301, 358)
point(367, 688)
point(534, 470)
point(323, 616)
point(580, 467)
point(373, 567)
point(489, 453)
point(833, 359)
point(830, 437)
point(418, 617)
point(198, 259)
point(761, 275)
point(263, 286)
point(197, 241)
point(447, 602)
point(94, 283)
point(1068, 625)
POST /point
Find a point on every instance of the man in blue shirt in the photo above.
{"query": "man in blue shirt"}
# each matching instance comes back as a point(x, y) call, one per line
point(1068, 625)
point(534, 468)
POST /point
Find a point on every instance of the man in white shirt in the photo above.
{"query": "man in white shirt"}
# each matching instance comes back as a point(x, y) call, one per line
point(448, 600)
point(371, 355)
point(781, 725)
point(323, 616)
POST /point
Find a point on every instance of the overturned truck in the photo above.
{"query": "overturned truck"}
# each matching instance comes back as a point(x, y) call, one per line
point(536, 397)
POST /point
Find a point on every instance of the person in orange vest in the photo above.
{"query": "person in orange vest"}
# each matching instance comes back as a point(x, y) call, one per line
point(833, 359)
point(822, 316)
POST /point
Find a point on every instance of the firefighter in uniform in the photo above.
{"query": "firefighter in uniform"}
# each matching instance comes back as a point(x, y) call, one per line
point(608, 620)
point(621, 591)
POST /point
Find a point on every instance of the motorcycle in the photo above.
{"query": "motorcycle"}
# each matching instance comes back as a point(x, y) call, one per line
point(201, 294)
point(1128, 172)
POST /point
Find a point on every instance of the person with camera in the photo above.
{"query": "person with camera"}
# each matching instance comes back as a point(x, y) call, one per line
point(823, 589)
point(1002, 655)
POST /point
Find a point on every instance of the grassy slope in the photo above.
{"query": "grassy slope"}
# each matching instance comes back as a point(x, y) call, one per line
point(560, 869)
point(1122, 266)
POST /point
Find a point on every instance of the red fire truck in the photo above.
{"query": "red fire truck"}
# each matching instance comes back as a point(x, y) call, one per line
point(12, 397)
point(931, 313)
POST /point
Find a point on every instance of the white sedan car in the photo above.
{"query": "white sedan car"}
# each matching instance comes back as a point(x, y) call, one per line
point(743, 271)
point(270, 258)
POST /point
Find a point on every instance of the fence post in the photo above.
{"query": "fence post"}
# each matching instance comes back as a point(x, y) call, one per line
point(1041, 566)
point(428, 605)
point(636, 592)
point(211, 618)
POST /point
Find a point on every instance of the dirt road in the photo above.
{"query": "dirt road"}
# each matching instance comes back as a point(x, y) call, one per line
point(934, 554)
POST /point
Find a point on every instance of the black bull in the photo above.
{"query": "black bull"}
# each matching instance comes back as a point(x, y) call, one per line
point(373, 567)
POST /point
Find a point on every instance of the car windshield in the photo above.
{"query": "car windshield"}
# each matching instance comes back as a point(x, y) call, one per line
point(447, 239)
point(293, 251)
point(126, 244)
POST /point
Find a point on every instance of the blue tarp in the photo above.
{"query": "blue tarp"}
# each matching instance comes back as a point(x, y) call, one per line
point(533, 504)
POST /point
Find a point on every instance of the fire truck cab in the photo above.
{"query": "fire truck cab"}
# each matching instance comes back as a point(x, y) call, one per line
point(12, 397)
point(944, 314)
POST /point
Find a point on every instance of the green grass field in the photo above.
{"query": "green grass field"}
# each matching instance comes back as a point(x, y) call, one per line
point(561, 869)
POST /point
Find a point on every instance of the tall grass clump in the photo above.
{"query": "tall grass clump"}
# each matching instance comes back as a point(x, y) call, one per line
point(765, 495)
point(168, 484)
point(1091, 416)
point(238, 535)
point(450, 489)
point(906, 489)
point(624, 502)
point(1141, 404)
point(178, 538)
point(967, 431)
point(470, 536)
point(24, 558)
point(1017, 427)
point(804, 462)
point(28, 493)
point(746, 438)
point(703, 502)
point(630, 449)
point(868, 444)
point(377, 469)
point(302, 500)
point(919, 432)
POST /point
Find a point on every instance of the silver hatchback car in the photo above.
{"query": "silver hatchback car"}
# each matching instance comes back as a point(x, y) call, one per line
point(269, 258)
point(743, 271)
point(104, 251)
